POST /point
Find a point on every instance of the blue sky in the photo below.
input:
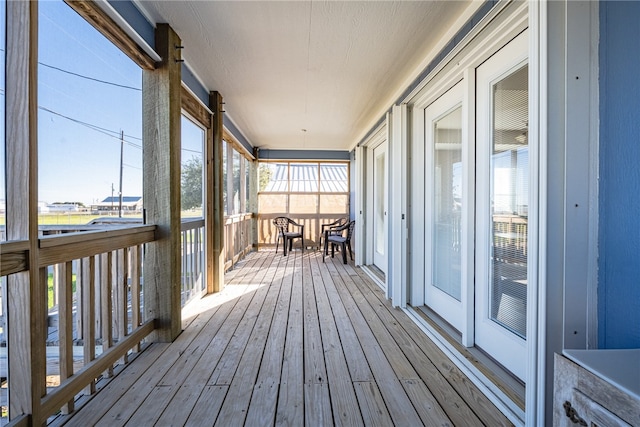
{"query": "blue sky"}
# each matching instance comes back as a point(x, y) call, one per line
point(88, 91)
point(78, 162)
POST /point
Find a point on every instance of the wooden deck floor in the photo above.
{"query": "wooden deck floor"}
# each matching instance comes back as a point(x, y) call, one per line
point(292, 341)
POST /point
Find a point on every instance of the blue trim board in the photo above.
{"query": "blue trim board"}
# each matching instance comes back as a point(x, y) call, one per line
point(619, 183)
point(466, 28)
point(373, 129)
point(135, 18)
point(146, 30)
point(267, 154)
point(189, 79)
point(226, 121)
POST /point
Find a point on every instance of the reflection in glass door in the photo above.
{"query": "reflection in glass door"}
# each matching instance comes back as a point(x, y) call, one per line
point(443, 207)
point(380, 207)
point(447, 203)
point(502, 208)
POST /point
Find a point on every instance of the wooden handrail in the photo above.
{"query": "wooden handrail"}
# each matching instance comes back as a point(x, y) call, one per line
point(14, 257)
point(231, 219)
point(63, 248)
point(74, 384)
point(191, 224)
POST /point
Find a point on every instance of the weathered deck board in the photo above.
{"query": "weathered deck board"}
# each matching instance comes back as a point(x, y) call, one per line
point(262, 409)
point(398, 403)
point(292, 341)
point(343, 397)
point(236, 405)
point(290, 405)
point(417, 346)
point(395, 341)
point(207, 407)
point(132, 399)
point(374, 410)
point(354, 356)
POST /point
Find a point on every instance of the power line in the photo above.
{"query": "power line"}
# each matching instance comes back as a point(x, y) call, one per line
point(107, 132)
point(90, 78)
point(83, 76)
point(191, 151)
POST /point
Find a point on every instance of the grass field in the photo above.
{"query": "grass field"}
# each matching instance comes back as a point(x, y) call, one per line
point(83, 218)
point(50, 288)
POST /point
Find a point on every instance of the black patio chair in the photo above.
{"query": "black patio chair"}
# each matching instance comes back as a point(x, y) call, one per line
point(282, 224)
point(337, 236)
point(335, 224)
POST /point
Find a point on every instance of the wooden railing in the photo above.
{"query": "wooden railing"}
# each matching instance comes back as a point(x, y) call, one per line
point(193, 261)
point(312, 227)
point(93, 286)
point(237, 238)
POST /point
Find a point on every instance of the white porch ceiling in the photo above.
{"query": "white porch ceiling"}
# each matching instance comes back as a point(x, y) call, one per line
point(330, 67)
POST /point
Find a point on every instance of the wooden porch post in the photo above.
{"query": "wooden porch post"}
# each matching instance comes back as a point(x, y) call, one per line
point(26, 298)
point(253, 201)
point(215, 103)
point(161, 102)
point(210, 209)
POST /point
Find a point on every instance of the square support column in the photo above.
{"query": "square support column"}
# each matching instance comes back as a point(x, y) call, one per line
point(216, 105)
point(26, 304)
point(161, 106)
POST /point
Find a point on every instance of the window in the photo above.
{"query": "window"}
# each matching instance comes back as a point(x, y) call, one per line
point(311, 192)
point(192, 175)
point(225, 187)
point(89, 122)
point(236, 179)
point(303, 177)
point(247, 181)
point(235, 183)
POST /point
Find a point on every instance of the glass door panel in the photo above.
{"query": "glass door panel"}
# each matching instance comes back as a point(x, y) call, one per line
point(380, 207)
point(509, 173)
point(502, 201)
point(447, 203)
point(443, 208)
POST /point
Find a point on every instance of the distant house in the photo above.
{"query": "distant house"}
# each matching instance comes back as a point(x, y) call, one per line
point(112, 203)
point(43, 207)
point(63, 207)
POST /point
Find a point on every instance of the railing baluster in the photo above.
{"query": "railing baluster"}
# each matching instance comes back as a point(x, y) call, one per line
point(65, 325)
point(88, 322)
point(122, 294)
point(106, 304)
point(79, 305)
point(97, 302)
point(115, 291)
point(183, 293)
point(87, 259)
point(192, 269)
point(136, 269)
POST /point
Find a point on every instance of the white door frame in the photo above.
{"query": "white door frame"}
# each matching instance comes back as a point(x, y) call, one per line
point(379, 160)
point(397, 219)
point(378, 138)
point(500, 25)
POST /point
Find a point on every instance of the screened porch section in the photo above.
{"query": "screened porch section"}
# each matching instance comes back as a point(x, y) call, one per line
point(310, 193)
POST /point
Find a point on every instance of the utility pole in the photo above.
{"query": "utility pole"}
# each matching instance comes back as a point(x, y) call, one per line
point(121, 167)
point(111, 199)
